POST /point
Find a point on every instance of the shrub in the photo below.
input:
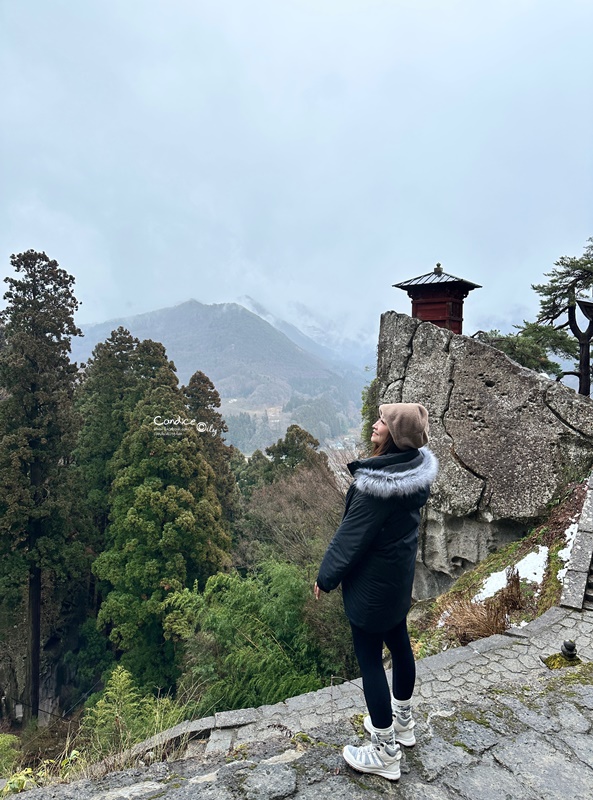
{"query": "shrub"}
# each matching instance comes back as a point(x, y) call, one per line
point(253, 645)
point(9, 754)
point(123, 717)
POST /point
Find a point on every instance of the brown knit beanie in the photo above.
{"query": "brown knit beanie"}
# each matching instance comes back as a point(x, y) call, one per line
point(407, 423)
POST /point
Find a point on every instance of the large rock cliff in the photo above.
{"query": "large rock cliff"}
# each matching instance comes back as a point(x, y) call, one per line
point(508, 440)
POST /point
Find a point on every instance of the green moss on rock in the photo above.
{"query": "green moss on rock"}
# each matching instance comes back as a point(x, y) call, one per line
point(558, 661)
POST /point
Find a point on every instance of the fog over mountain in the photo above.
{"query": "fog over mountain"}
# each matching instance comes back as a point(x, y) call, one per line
point(307, 154)
point(320, 336)
point(270, 377)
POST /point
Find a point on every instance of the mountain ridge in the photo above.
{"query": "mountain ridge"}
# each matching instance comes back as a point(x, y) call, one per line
point(253, 365)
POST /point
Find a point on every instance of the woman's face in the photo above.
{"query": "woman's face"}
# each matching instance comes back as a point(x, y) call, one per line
point(380, 432)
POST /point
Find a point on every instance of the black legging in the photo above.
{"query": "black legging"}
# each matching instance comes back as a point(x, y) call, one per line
point(369, 652)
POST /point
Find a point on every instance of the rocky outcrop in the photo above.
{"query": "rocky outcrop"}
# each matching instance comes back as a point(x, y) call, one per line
point(508, 440)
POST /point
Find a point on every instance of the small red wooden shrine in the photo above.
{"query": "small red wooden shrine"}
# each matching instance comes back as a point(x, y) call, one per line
point(438, 298)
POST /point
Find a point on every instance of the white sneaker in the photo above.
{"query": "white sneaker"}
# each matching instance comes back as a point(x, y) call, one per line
point(403, 723)
point(379, 758)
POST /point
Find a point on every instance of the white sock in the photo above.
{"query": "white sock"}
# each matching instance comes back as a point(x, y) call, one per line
point(385, 734)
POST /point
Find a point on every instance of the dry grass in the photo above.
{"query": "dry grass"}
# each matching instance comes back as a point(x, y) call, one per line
point(469, 619)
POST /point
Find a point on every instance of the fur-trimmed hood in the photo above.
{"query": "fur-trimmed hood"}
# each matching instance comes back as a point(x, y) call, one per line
point(395, 474)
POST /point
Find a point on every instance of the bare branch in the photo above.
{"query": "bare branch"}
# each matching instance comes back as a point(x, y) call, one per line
point(559, 377)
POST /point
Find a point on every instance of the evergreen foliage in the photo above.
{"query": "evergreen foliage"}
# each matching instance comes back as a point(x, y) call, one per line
point(250, 472)
point(115, 379)
point(91, 659)
point(556, 331)
point(253, 645)
point(103, 399)
point(293, 520)
point(37, 432)
point(124, 716)
point(570, 279)
point(242, 429)
point(165, 531)
point(89, 474)
point(203, 401)
point(320, 416)
point(532, 346)
point(9, 754)
point(370, 412)
point(298, 448)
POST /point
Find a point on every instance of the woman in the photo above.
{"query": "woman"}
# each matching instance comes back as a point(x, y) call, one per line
point(373, 554)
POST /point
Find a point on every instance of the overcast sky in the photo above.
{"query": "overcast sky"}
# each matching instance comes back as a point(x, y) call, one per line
point(299, 151)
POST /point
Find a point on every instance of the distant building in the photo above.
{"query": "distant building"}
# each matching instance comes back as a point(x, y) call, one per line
point(438, 298)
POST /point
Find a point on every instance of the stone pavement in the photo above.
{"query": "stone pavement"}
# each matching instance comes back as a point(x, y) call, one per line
point(493, 723)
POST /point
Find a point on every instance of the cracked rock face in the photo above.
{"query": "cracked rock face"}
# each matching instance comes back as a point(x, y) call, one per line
point(507, 440)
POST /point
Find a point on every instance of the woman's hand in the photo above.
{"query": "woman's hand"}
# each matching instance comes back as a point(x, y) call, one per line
point(316, 591)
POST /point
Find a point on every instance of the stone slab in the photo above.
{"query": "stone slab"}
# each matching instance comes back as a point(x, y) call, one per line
point(572, 720)
point(284, 758)
point(340, 787)
point(220, 741)
point(580, 745)
point(265, 731)
point(171, 737)
point(490, 643)
point(586, 519)
point(234, 719)
point(475, 737)
point(438, 755)
point(547, 619)
point(202, 725)
point(269, 782)
point(516, 632)
point(135, 792)
point(486, 782)
point(583, 696)
point(540, 722)
point(582, 551)
point(446, 659)
point(573, 590)
point(422, 791)
point(277, 709)
point(544, 769)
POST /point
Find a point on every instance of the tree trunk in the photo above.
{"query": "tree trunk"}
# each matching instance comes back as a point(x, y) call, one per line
point(584, 366)
point(31, 698)
point(584, 340)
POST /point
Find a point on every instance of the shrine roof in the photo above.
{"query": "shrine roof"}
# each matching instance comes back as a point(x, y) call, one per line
point(436, 276)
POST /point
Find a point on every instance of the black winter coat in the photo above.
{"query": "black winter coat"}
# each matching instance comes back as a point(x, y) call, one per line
point(373, 552)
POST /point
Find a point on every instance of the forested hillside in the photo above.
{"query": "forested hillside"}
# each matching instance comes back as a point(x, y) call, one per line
point(142, 558)
point(266, 379)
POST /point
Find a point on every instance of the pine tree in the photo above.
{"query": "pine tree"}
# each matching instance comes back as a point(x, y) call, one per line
point(103, 399)
point(567, 282)
point(38, 429)
point(165, 533)
point(116, 377)
point(556, 331)
point(297, 448)
point(203, 401)
point(533, 345)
